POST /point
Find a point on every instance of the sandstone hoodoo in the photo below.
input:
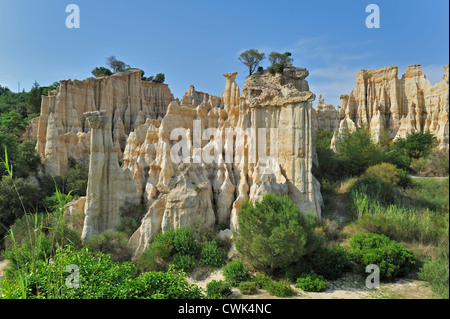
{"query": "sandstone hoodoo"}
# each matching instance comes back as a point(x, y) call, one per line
point(62, 132)
point(382, 102)
point(109, 186)
point(189, 192)
point(190, 161)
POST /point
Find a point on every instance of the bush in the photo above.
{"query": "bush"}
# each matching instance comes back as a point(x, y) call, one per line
point(218, 289)
point(184, 262)
point(184, 242)
point(100, 278)
point(416, 145)
point(262, 281)
point(212, 254)
point(435, 164)
point(385, 172)
point(330, 263)
point(163, 285)
point(160, 78)
point(235, 272)
point(392, 258)
point(358, 152)
point(159, 251)
point(247, 287)
point(296, 270)
point(101, 71)
point(281, 288)
point(276, 68)
point(113, 243)
point(274, 225)
point(436, 272)
point(311, 282)
point(17, 197)
point(404, 180)
point(76, 179)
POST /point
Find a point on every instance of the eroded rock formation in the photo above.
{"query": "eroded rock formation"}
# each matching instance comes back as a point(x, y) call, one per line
point(326, 116)
point(61, 131)
point(382, 102)
point(109, 187)
point(212, 164)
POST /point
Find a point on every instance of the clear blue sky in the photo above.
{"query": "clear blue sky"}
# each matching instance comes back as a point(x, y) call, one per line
point(195, 42)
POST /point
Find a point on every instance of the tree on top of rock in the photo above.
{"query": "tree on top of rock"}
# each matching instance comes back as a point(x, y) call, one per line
point(251, 58)
point(116, 65)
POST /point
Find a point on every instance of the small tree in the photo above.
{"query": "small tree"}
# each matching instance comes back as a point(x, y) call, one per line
point(358, 152)
point(116, 65)
point(33, 100)
point(251, 58)
point(272, 233)
point(281, 58)
point(101, 71)
point(160, 78)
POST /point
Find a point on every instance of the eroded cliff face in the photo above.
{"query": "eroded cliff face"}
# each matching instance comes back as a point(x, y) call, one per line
point(326, 116)
point(382, 102)
point(209, 154)
point(62, 131)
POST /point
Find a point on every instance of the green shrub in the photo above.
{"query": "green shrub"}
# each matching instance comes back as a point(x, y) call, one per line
point(416, 145)
point(184, 262)
point(100, 278)
point(212, 254)
point(235, 272)
point(330, 263)
point(163, 285)
point(247, 287)
point(436, 272)
point(159, 251)
point(262, 281)
point(404, 178)
point(113, 243)
point(218, 289)
point(184, 242)
point(281, 288)
point(392, 258)
point(311, 282)
point(128, 226)
point(385, 172)
point(76, 179)
point(274, 225)
point(295, 270)
point(358, 152)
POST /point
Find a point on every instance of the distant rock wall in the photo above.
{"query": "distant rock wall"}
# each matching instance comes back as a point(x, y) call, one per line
point(382, 102)
point(326, 116)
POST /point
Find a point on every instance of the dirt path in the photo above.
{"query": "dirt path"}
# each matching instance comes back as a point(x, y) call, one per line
point(348, 287)
point(3, 264)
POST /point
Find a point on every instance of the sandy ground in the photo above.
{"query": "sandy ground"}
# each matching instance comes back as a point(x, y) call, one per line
point(3, 264)
point(348, 287)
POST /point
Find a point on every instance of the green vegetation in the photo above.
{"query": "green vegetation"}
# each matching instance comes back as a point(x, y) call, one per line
point(251, 59)
point(101, 71)
point(235, 272)
point(281, 288)
point(392, 258)
point(273, 233)
point(436, 272)
point(247, 287)
point(311, 282)
point(218, 289)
